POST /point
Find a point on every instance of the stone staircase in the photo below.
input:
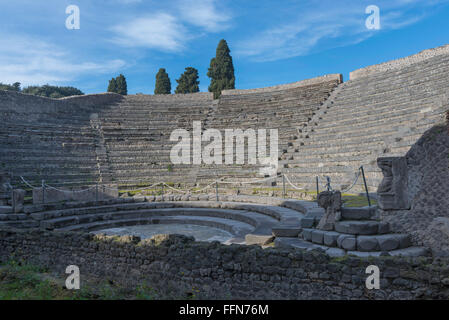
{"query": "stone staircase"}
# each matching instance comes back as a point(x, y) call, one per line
point(359, 232)
point(380, 114)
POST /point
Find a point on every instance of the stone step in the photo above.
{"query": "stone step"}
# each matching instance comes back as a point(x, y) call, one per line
point(365, 213)
point(363, 243)
point(355, 227)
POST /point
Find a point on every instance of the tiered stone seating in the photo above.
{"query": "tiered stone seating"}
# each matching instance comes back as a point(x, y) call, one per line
point(287, 108)
point(381, 112)
point(137, 136)
point(49, 139)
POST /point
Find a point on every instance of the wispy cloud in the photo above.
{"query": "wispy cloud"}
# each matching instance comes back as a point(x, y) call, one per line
point(170, 29)
point(327, 25)
point(31, 62)
point(159, 31)
point(205, 14)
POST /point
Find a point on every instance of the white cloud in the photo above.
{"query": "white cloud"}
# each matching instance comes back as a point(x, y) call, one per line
point(35, 62)
point(159, 31)
point(326, 26)
point(205, 14)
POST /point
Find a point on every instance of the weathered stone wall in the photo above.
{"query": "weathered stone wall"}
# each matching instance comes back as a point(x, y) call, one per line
point(399, 63)
point(14, 103)
point(329, 77)
point(177, 264)
point(428, 188)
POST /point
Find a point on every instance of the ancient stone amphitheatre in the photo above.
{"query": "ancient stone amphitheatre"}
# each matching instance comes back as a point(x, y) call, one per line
point(72, 167)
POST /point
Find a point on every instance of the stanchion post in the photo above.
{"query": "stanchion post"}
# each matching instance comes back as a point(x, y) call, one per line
point(366, 187)
point(13, 204)
point(216, 189)
point(283, 185)
point(43, 191)
point(317, 189)
point(96, 193)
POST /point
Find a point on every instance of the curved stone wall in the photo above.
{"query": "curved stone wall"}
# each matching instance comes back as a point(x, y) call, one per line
point(225, 271)
point(399, 63)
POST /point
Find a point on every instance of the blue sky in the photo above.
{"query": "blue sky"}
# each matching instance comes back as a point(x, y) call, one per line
point(272, 42)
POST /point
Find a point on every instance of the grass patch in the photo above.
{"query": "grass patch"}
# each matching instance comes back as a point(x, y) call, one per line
point(350, 200)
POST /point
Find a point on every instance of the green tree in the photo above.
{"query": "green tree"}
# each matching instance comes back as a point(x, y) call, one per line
point(122, 87)
point(8, 87)
point(221, 70)
point(52, 91)
point(188, 82)
point(112, 87)
point(163, 85)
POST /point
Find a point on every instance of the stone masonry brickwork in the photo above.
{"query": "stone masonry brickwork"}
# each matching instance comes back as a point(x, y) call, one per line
point(336, 77)
point(428, 174)
point(174, 265)
point(399, 63)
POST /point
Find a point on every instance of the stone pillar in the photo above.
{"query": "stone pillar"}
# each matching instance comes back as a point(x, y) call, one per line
point(18, 198)
point(393, 190)
point(331, 202)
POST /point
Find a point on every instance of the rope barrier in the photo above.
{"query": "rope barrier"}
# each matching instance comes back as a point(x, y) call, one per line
point(26, 182)
point(353, 184)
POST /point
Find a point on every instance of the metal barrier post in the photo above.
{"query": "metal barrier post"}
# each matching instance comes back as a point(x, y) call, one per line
point(96, 193)
point(317, 189)
point(43, 191)
point(13, 204)
point(162, 189)
point(366, 187)
point(216, 189)
point(283, 185)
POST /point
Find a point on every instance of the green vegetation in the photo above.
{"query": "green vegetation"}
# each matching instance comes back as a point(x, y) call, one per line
point(10, 87)
point(188, 82)
point(221, 70)
point(43, 91)
point(118, 85)
point(20, 281)
point(163, 85)
point(350, 200)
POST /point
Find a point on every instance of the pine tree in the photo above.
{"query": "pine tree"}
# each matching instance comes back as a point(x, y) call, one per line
point(163, 85)
point(112, 87)
point(188, 82)
point(122, 87)
point(221, 70)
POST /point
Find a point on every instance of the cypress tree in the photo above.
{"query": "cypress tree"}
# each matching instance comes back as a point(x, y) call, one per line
point(122, 87)
point(163, 85)
point(188, 81)
point(112, 87)
point(221, 70)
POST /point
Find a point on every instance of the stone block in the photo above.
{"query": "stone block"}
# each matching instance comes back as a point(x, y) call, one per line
point(307, 234)
point(357, 227)
point(347, 242)
point(286, 231)
point(393, 190)
point(330, 238)
point(317, 236)
point(18, 197)
point(367, 243)
point(388, 242)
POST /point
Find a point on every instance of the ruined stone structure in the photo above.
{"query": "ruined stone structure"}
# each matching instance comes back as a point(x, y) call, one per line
point(326, 128)
point(424, 176)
